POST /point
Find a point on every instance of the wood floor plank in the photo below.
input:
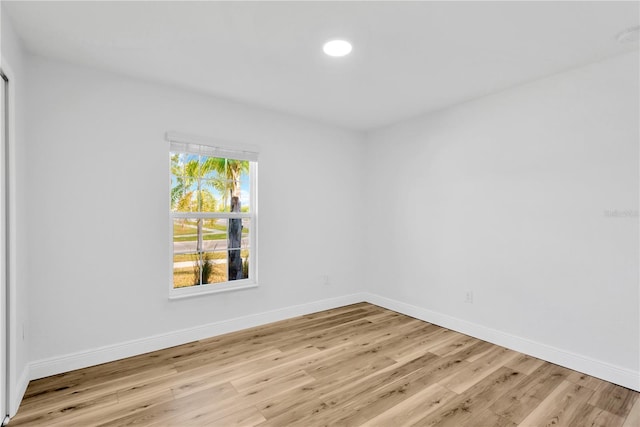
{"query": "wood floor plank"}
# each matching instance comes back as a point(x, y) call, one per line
point(66, 413)
point(209, 375)
point(349, 366)
point(355, 369)
point(274, 386)
point(213, 403)
point(379, 379)
point(436, 339)
point(479, 369)
point(592, 416)
point(79, 392)
point(486, 418)
point(354, 333)
point(223, 357)
point(614, 398)
point(381, 389)
point(585, 380)
point(199, 409)
point(291, 412)
point(133, 410)
point(413, 408)
point(329, 338)
point(522, 400)
point(633, 418)
point(525, 364)
point(246, 417)
point(371, 404)
point(328, 382)
point(458, 342)
point(462, 410)
point(560, 407)
point(274, 367)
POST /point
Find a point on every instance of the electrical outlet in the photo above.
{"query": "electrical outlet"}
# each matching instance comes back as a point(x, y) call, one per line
point(468, 297)
point(325, 279)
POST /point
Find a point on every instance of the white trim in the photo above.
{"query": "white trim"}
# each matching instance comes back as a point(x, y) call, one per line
point(13, 392)
point(596, 368)
point(4, 324)
point(20, 390)
point(215, 215)
point(212, 288)
point(606, 371)
point(253, 204)
point(82, 359)
point(226, 148)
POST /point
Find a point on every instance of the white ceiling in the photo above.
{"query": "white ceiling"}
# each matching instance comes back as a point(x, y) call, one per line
point(408, 58)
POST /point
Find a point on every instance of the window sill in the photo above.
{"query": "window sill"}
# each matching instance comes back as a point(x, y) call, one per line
point(195, 291)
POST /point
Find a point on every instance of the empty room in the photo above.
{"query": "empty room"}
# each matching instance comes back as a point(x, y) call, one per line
point(320, 213)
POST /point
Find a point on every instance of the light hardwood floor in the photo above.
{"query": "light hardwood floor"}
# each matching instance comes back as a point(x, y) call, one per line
point(351, 366)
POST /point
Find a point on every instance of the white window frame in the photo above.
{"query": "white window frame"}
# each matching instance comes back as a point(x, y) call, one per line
point(179, 142)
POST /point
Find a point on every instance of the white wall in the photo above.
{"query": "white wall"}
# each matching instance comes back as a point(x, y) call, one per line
point(98, 209)
point(506, 196)
point(13, 65)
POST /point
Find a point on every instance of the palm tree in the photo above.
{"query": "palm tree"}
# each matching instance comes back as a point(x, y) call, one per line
point(227, 182)
point(183, 177)
point(227, 178)
point(191, 190)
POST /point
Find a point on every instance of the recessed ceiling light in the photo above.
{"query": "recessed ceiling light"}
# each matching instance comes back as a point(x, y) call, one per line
point(337, 48)
point(629, 35)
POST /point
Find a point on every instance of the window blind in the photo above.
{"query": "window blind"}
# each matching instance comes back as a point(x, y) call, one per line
point(209, 147)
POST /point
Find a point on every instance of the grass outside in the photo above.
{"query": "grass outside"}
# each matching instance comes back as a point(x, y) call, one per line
point(218, 236)
point(186, 276)
point(214, 255)
point(187, 232)
point(183, 277)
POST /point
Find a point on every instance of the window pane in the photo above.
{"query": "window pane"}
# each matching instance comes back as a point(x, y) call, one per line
point(214, 234)
point(186, 270)
point(238, 238)
point(213, 183)
point(245, 194)
point(224, 179)
point(246, 227)
point(214, 267)
point(184, 182)
point(183, 195)
point(207, 201)
point(178, 160)
point(185, 235)
point(210, 167)
point(245, 251)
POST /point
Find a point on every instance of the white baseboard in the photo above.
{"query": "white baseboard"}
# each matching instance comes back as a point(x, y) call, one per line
point(596, 368)
point(69, 362)
point(19, 391)
point(615, 374)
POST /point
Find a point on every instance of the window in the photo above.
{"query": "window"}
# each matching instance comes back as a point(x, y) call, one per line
point(213, 215)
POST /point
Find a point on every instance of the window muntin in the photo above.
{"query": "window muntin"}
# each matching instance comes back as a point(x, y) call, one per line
point(213, 217)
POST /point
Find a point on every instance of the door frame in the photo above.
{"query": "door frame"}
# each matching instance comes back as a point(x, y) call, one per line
point(12, 394)
point(4, 317)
